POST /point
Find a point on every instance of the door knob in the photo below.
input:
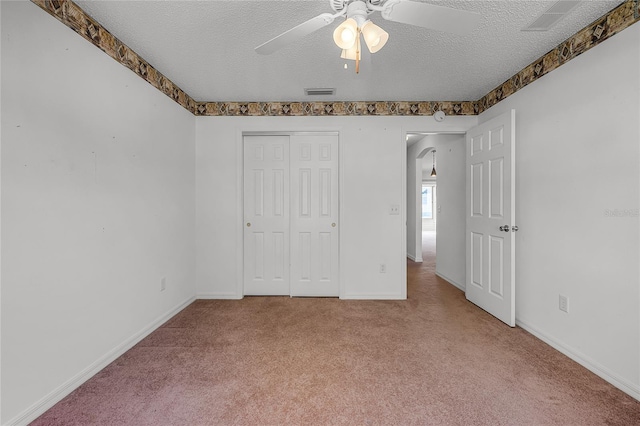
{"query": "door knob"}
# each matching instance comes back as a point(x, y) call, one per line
point(248, 224)
point(333, 225)
point(514, 228)
point(504, 228)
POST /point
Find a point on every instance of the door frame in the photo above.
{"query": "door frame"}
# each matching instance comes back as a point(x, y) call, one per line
point(240, 134)
point(456, 130)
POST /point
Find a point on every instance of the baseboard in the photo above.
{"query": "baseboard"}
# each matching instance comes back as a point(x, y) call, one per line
point(624, 385)
point(413, 258)
point(55, 396)
point(381, 296)
point(452, 282)
point(232, 296)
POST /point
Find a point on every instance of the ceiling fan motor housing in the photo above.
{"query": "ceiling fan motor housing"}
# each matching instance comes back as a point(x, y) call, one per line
point(354, 8)
point(358, 11)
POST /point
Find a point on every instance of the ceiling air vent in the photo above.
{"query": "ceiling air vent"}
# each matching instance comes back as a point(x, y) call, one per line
point(320, 92)
point(551, 16)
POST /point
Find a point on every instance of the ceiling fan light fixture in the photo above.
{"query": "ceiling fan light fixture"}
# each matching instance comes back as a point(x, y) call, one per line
point(374, 36)
point(345, 34)
point(352, 53)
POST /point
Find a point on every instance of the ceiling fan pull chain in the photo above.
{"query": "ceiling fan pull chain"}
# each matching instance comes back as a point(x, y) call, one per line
point(358, 52)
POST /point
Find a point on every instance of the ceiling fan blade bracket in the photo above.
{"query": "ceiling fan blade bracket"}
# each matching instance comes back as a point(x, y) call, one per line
point(328, 19)
point(387, 9)
point(338, 5)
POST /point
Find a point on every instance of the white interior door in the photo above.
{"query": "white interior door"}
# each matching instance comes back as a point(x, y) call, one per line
point(314, 215)
point(291, 215)
point(266, 215)
point(490, 228)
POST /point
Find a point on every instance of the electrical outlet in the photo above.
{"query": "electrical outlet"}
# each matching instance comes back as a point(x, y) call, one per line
point(383, 268)
point(563, 303)
point(394, 209)
point(163, 284)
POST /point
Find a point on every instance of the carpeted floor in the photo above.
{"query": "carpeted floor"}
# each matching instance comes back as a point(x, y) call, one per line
point(432, 359)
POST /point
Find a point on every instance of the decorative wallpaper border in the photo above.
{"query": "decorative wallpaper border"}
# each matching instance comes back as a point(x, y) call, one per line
point(623, 16)
point(67, 12)
point(70, 14)
point(385, 108)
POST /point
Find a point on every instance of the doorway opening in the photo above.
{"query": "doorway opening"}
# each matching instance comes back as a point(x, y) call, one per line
point(436, 204)
point(421, 192)
point(429, 215)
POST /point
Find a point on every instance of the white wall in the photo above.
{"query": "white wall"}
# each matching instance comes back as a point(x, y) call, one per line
point(415, 157)
point(450, 160)
point(373, 155)
point(0, 234)
point(97, 205)
point(451, 222)
point(578, 157)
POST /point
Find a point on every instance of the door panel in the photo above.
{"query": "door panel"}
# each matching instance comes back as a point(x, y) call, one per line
point(496, 189)
point(266, 215)
point(496, 262)
point(476, 260)
point(490, 249)
point(314, 215)
point(476, 190)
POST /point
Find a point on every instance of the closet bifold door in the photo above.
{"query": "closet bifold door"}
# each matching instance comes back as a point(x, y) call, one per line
point(291, 229)
point(314, 215)
point(266, 215)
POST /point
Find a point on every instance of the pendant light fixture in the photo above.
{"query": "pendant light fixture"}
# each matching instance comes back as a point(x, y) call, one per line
point(433, 169)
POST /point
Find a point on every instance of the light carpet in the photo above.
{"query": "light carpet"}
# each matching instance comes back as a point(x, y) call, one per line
point(434, 359)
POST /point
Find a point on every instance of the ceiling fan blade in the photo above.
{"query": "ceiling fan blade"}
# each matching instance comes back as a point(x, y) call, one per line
point(295, 33)
point(431, 16)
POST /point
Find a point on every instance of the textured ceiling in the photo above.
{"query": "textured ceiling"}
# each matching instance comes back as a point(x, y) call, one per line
point(206, 48)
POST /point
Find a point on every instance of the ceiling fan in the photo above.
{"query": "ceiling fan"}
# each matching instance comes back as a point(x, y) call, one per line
point(356, 12)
